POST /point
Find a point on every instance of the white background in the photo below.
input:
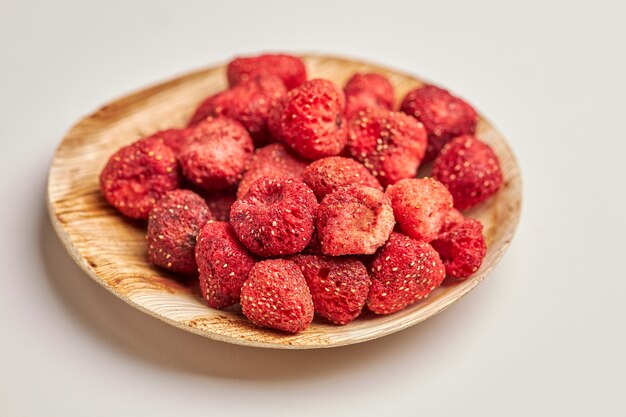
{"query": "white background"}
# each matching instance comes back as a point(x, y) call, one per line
point(543, 335)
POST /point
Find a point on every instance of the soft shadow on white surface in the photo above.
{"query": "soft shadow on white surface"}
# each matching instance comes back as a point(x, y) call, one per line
point(133, 333)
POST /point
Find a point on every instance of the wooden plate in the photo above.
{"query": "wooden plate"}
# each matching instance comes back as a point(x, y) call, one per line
point(112, 250)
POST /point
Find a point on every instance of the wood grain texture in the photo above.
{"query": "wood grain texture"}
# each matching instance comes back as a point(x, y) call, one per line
point(112, 249)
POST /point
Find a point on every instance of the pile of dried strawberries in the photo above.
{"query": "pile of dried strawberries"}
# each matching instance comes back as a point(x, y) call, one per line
point(292, 196)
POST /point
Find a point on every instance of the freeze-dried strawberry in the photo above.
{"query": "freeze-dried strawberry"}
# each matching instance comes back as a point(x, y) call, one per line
point(137, 175)
point(354, 220)
point(273, 160)
point(288, 68)
point(420, 206)
point(248, 102)
point(218, 152)
point(444, 116)
point(310, 120)
point(173, 226)
point(470, 169)
point(325, 175)
point(462, 249)
point(339, 286)
point(390, 144)
point(276, 296)
point(365, 90)
point(276, 216)
point(223, 264)
point(404, 271)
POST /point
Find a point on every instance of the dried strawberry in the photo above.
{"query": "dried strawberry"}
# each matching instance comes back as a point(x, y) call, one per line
point(404, 271)
point(390, 144)
point(470, 169)
point(138, 175)
point(420, 206)
point(173, 226)
point(276, 216)
point(338, 286)
point(444, 116)
point(462, 248)
point(354, 220)
point(276, 296)
point(223, 264)
point(217, 153)
point(310, 120)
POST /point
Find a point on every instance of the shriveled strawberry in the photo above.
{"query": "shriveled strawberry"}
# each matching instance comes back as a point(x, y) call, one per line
point(390, 144)
point(354, 220)
point(310, 120)
point(403, 272)
point(462, 249)
point(173, 226)
point(138, 175)
point(223, 263)
point(339, 286)
point(276, 296)
point(469, 169)
point(445, 116)
point(420, 206)
point(276, 216)
point(217, 153)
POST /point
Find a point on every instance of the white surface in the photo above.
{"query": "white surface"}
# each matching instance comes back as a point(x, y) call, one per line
point(543, 335)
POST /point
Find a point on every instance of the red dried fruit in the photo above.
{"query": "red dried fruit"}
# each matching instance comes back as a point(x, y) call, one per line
point(173, 225)
point(404, 271)
point(310, 120)
point(470, 169)
point(390, 144)
point(223, 264)
point(462, 249)
point(420, 206)
point(365, 90)
point(444, 116)
point(451, 219)
point(338, 286)
point(276, 217)
point(325, 175)
point(249, 103)
point(137, 175)
point(354, 220)
point(276, 296)
point(273, 160)
point(288, 68)
point(175, 139)
point(218, 152)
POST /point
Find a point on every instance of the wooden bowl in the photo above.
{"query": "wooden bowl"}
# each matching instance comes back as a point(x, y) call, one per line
point(112, 250)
